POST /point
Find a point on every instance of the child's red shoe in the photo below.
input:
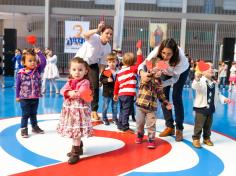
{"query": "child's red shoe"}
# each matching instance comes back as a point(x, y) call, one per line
point(138, 140)
point(151, 144)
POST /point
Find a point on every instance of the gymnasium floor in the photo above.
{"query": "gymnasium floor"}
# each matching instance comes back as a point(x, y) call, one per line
point(110, 152)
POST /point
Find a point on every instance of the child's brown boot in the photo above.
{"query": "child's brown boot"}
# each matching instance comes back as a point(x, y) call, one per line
point(81, 151)
point(74, 156)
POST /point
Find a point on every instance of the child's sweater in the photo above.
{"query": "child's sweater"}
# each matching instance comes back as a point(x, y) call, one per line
point(108, 87)
point(149, 93)
point(28, 84)
point(201, 98)
point(126, 79)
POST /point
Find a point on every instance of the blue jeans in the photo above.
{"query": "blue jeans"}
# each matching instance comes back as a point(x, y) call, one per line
point(106, 102)
point(126, 103)
point(222, 82)
point(29, 110)
point(177, 102)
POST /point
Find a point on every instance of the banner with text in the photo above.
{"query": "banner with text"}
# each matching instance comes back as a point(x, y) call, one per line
point(73, 35)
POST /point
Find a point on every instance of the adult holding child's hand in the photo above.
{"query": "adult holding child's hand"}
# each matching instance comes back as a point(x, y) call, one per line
point(176, 75)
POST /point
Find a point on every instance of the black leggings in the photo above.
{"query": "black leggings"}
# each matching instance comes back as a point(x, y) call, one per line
point(94, 77)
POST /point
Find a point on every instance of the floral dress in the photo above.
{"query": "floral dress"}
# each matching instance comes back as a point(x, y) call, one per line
point(75, 118)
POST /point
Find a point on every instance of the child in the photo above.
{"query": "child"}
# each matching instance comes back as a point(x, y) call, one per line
point(17, 62)
point(204, 106)
point(28, 90)
point(1, 73)
point(118, 53)
point(125, 87)
point(50, 72)
point(107, 78)
point(222, 74)
point(146, 103)
point(232, 76)
point(75, 119)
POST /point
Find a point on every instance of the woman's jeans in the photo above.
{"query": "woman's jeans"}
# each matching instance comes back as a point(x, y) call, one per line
point(177, 103)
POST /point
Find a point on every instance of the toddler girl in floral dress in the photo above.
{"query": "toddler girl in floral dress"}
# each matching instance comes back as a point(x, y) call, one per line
point(75, 121)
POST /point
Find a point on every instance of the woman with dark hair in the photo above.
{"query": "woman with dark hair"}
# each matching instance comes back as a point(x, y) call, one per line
point(176, 75)
point(94, 52)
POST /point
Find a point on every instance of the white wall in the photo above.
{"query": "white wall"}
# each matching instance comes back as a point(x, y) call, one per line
point(20, 23)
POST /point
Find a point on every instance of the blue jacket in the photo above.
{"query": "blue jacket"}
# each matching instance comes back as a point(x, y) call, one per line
point(17, 59)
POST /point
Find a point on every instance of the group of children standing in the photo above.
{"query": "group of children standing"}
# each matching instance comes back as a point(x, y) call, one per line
point(75, 121)
point(118, 84)
point(50, 72)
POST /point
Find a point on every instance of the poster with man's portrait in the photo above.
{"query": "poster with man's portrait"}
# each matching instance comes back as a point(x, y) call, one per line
point(74, 35)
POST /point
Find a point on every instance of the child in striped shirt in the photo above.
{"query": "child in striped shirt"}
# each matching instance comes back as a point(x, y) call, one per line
point(125, 87)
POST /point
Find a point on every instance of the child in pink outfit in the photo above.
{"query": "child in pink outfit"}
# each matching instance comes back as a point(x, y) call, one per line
point(75, 121)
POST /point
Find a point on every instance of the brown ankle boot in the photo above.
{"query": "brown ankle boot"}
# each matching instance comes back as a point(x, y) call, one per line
point(74, 157)
point(178, 136)
point(167, 132)
point(81, 151)
point(95, 116)
point(196, 143)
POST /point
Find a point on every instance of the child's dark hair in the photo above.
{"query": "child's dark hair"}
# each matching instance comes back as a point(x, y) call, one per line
point(111, 57)
point(81, 61)
point(45, 52)
point(28, 52)
point(18, 49)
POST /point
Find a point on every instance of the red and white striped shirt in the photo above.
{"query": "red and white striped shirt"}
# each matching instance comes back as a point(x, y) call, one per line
point(126, 79)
